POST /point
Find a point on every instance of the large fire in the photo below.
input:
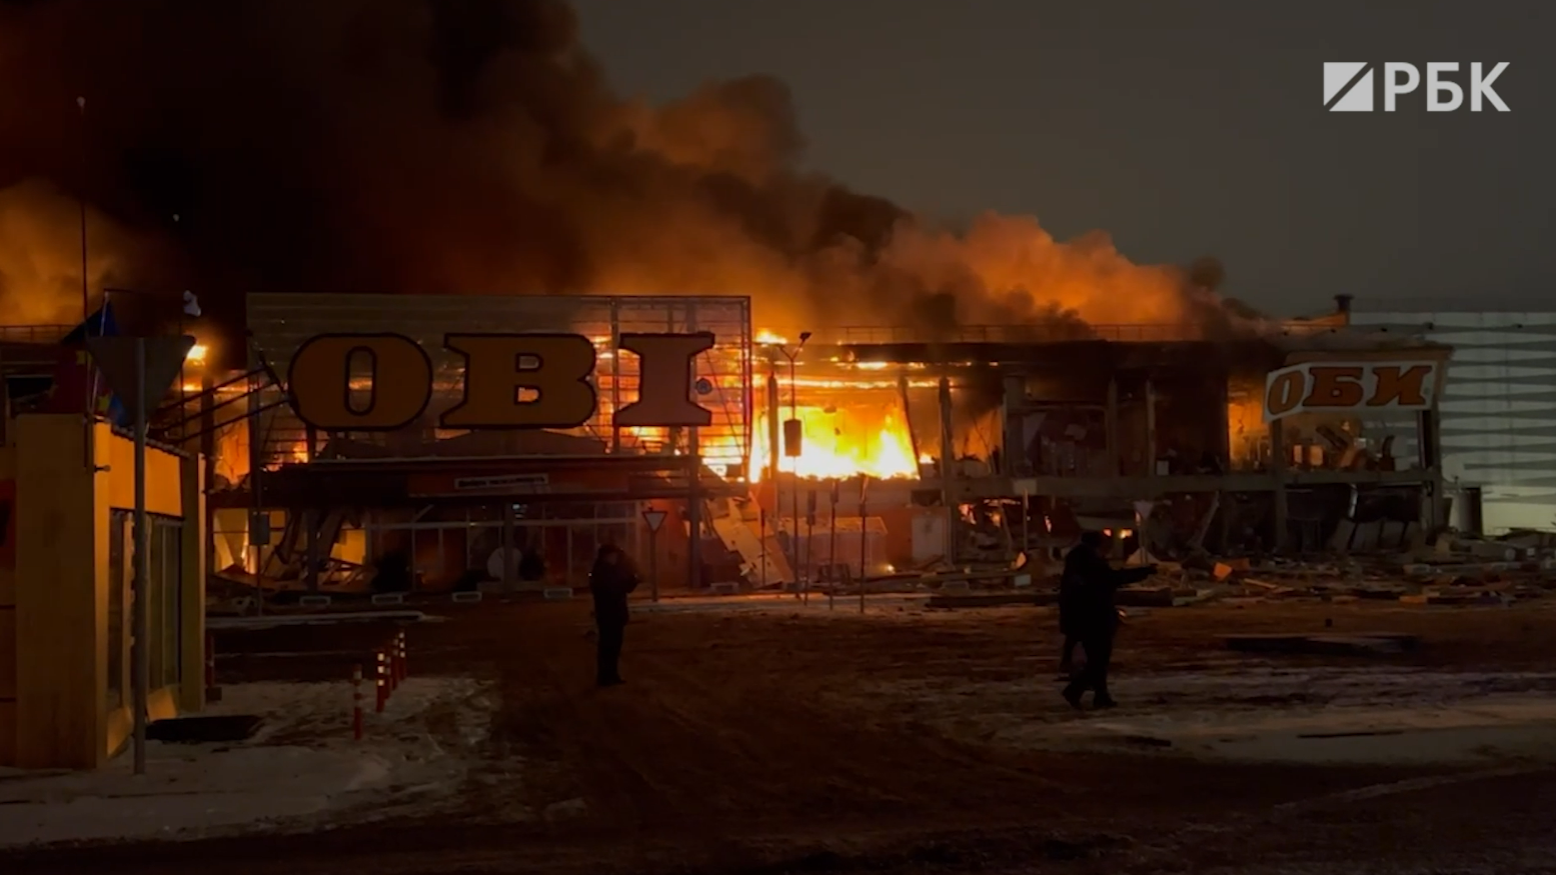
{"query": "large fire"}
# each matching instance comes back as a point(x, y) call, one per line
point(841, 442)
point(1247, 435)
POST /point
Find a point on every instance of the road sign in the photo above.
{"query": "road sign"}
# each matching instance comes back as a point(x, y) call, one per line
point(654, 518)
point(115, 357)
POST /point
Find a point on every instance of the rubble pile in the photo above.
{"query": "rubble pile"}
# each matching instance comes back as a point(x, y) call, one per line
point(1453, 569)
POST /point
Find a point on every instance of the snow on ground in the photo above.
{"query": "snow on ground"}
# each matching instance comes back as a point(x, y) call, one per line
point(302, 763)
point(1243, 709)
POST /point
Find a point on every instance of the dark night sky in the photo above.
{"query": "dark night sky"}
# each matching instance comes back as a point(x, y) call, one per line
point(1183, 128)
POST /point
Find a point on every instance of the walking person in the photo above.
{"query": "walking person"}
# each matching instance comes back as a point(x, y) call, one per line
point(1069, 594)
point(610, 581)
point(1093, 615)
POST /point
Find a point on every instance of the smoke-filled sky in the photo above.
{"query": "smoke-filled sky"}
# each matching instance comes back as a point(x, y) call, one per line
point(805, 154)
point(1182, 127)
point(472, 146)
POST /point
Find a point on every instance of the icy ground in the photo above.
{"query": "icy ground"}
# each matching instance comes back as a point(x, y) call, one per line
point(302, 769)
point(1236, 708)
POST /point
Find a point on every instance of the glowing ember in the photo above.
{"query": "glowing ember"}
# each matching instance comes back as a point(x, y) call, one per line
point(843, 443)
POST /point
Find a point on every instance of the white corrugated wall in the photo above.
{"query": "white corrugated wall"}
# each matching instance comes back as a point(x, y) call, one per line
point(1498, 409)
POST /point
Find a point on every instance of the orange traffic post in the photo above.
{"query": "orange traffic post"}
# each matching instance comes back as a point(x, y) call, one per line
point(402, 651)
point(356, 702)
point(381, 679)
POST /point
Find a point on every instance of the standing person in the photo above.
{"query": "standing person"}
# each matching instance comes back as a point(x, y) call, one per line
point(1070, 593)
point(1072, 601)
point(1093, 615)
point(611, 579)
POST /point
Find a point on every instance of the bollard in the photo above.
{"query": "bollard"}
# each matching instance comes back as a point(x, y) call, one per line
point(391, 667)
point(356, 702)
point(396, 671)
point(381, 679)
point(210, 661)
point(393, 648)
point(402, 651)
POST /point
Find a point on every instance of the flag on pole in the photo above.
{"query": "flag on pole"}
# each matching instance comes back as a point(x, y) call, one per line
point(78, 387)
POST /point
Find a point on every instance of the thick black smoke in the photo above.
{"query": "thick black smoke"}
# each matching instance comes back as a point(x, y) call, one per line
point(465, 146)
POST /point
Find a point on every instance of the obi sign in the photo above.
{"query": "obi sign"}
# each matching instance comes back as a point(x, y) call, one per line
point(510, 381)
point(1350, 387)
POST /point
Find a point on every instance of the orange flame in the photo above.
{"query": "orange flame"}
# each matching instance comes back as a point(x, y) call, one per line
point(1246, 432)
point(842, 443)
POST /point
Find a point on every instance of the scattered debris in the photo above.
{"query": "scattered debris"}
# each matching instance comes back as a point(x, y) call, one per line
point(1327, 645)
point(1403, 567)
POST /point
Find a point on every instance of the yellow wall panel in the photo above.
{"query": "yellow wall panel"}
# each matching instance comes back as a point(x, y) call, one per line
point(7, 733)
point(8, 533)
point(163, 494)
point(7, 654)
point(59, 598)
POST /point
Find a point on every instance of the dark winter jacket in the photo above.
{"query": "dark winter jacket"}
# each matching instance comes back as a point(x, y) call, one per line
point(610, 584)
point(1086, 592)
point(531, 566)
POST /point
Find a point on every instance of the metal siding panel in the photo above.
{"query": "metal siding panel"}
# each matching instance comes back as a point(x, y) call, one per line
point(1499, 406)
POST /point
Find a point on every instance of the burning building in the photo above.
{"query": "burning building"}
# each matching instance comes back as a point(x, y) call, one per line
point(836, 455)
point(440, 148)
point(1011, 438)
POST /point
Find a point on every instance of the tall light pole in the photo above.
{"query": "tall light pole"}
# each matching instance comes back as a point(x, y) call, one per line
point(792, 437)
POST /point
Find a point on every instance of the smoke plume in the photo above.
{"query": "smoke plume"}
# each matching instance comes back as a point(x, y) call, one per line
point(470, 146)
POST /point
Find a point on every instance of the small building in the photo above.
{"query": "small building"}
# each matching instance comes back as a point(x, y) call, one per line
point(66, 566)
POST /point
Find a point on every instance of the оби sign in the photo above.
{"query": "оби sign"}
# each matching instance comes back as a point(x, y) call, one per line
point(513, 381)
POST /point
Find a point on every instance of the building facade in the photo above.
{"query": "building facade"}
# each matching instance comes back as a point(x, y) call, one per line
point(453, 505)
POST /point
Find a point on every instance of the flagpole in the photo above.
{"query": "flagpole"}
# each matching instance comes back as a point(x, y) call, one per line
point(86, 292)
point(140, 646)
point(89, 413)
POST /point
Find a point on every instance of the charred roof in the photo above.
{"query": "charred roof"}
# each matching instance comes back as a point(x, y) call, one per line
point(1264, 353)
